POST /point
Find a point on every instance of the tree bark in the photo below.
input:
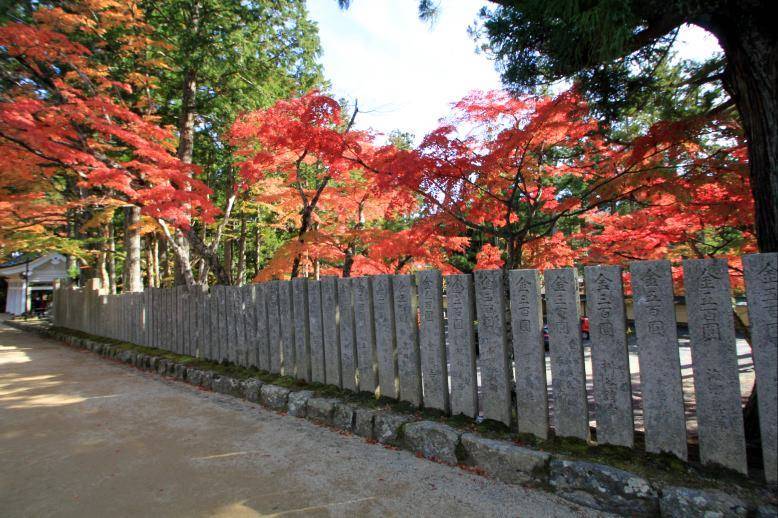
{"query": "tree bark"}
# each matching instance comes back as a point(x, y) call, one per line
point(102, 258)
point(111, 259)
point(133, 282)
point(240, 275)
point(228, 259)
point(747, 34)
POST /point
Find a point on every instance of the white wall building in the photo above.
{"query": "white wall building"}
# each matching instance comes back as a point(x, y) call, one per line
point(30, 282)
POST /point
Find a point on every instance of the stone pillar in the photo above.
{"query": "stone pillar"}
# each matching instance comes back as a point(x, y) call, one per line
point(407, 335)
point(568, 377)
point(302, 334)
point(432, 339)
point(761, 272)
point(529, 352)
point(286, 314)
point(610, 358)
point(460, 298)
point(347, 332)
point(493, 345)
point(221, 305)
point(365, 335)
point(316, 329)
point(714, 363)
point(329, 298)
point(274, 327)
point(386, 344)
point(263, 331)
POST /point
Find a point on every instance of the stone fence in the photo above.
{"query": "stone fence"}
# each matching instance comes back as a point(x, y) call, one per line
point(474, 344)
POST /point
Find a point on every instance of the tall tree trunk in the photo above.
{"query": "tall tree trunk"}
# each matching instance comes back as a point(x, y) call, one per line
point(102, 258)
point(750, 42)
point(133, 282)
point(228, 259)
point(257, 245)
point(111, 258)
point(240, 275)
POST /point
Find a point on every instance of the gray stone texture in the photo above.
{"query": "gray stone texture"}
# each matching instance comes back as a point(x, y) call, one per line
point(221, 308)
point(275, 338)
point(460, 316)
point(761, 273)
point(432, 340)
point(302, 335)
point(227, 385)
point(286, 319)
point(660, 367)
point(251, 390)
point(493, 345)
point(263, 327)
point(367, 364)
point(529, 352)
point(275, 397)
point(347, 333)
point(568, 378)
point(343, 416)
point(407, 337)
point(387, 427)
point(316, 328)
point(386, 343)
point(250, 324)
point(504, 460)
point(321, 409)
point(298, 402)
point(364, 419)
point(435, 441)
point(610, 358)
point(330, 317)
point(604, 488)
point(683, 502)
point(714, 363)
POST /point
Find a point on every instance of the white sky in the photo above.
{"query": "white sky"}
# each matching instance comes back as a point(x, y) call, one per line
point(406, 73)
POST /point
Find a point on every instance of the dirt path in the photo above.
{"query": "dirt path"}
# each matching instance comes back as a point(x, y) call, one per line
point(81, 436)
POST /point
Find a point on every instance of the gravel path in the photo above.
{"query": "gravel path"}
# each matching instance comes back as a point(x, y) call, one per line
point(80, 436)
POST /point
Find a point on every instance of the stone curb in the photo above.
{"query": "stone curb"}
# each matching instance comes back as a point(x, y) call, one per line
point(593, 485)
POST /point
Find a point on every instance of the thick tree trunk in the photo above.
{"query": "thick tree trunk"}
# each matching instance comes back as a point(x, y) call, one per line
point(111, 259)
point(750, 43)
point(102, 258)
point(228, 259)
point(133, 282)
point(305, 224)
point(257, 246)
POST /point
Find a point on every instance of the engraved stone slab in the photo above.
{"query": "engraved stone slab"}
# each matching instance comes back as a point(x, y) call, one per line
point(329, 310)
point(275, 340)
point(250, 320)
point(302, 343)
point(365, 335)
point(347, 331)
point(286, 316)
point(316, 332)
point(761, 272)
point(660, 367)
point(568, 378)
point(610, 357)
point(407, 336)
point(460, 300)
point(529, 352)
point(493, 345)
point(386, 346)
point(262, 339)
point(714, 363)
point(432, 340)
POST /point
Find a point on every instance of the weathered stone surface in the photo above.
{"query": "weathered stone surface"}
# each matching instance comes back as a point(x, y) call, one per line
point(503, 460)
point(761, 273)
point(250, 336)
point(273, 396)
point(251, 389)
point(162, 366)
point(316, 327)
point(194, 376)
point(493, 346)
point(262, 339)
point(387, 427)
point(275, 339)
point(766, 511)
point(347, 332)
point(610, 358)
point(386, 343)
point(683, 502)
point(286, 319)
point(436, 441)
point(714, 363)
point(302, 336)
point(297, 402)
point(407, 336)
point(207, 380)
point(343, 416)
point(461, 344)
point(329, 310)
point(364, 330)
point(568, 378)
point(180, 372)
point(321, 409)
point(432, 340)
point(228, 385)
point(364, 419)
point(660, 367)
point(604, 488)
